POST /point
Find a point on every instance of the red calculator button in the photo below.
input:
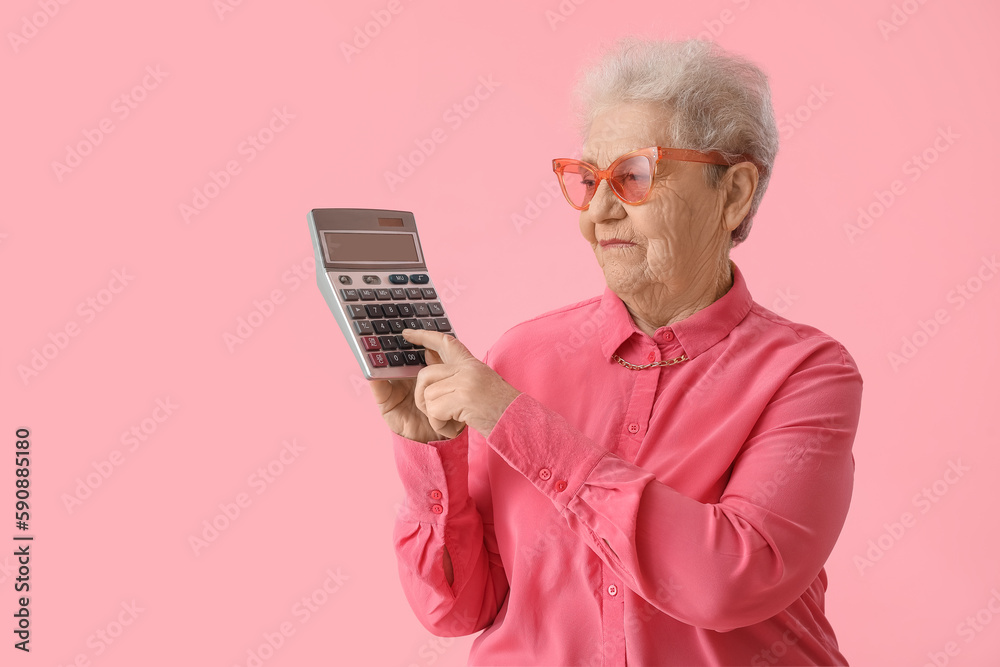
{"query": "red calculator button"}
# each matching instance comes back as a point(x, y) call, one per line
point(370, 342)
point(378, 359)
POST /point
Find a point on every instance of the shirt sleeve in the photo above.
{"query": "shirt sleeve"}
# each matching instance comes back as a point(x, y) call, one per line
point(437, 511)
point(717, 565)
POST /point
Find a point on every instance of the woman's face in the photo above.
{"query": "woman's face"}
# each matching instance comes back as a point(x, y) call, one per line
point(673, 237)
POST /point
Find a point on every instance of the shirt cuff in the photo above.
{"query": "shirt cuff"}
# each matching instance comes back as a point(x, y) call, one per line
point(435, 475)
point(541, 445)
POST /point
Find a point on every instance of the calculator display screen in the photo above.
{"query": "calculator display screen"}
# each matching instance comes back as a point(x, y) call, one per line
point(370, 247)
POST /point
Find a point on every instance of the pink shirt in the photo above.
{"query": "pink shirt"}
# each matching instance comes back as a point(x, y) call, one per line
point(675, 515)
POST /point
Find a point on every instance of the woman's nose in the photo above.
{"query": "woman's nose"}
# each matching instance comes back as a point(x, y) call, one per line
point(605, 205)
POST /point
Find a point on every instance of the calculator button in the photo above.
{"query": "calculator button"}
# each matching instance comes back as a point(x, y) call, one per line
point(390, 310)
point(366, 294)
point(363, 327)
point(419, 278)
point(428, 292)
point(428, 324)
point(349, 294)
point(398, 293)
point(370, 343)
point(381, 326)
point(372, 280)
point(383, 294)
point(421, 310)
point(411, 324)
point(443, 324)
point(395, 358)
point(398, 278)
point(436, 309)
point(412, 357)
point(345, 280)
point(414, 293)
point(403, 343)
point(405, 309)
point(377, 359)
point(388, 342)
point(374, 310)
point(397, 326)
point(356, 312)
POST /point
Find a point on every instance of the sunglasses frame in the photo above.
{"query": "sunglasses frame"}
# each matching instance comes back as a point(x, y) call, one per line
point(654, 154)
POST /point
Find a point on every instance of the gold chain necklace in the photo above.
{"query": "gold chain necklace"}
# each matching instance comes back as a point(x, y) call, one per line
point(637, 367)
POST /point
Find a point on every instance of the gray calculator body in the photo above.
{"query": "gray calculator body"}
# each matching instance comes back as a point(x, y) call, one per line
point(370, 268)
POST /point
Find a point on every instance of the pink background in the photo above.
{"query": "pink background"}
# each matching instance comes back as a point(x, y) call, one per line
point(886, 96)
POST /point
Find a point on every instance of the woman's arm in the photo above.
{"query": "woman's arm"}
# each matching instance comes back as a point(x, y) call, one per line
point(448, 559)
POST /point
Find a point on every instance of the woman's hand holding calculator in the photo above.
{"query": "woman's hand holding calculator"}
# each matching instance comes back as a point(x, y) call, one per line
point(454, 389)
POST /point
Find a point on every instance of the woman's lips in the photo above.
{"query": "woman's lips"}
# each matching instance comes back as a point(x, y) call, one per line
point(615, 243)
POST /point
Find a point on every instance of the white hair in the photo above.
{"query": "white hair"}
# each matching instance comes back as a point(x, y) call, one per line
point(717, 101)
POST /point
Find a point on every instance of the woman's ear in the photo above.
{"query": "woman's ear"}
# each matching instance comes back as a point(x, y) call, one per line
point(738, 187)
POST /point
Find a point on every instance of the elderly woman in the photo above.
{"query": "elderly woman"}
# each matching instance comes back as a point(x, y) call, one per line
point(656, 475)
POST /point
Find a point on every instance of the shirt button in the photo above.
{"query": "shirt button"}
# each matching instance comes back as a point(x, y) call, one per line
point(545, 473)
point(668, 335)
point(633, 428)
point(612, 590)
point(652, 355)
point(436, 495)
point(437, 509)
point(561, 485)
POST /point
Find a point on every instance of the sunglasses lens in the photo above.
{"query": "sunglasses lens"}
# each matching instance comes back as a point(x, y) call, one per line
point(579, 184)
point(632, 178)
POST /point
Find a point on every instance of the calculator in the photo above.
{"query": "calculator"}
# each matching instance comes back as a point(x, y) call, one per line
point(371, 271)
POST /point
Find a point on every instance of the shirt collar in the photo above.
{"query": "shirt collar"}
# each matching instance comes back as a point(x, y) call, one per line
point(695, 333)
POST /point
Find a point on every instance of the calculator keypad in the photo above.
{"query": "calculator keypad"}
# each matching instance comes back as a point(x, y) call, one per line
point(378, 316)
